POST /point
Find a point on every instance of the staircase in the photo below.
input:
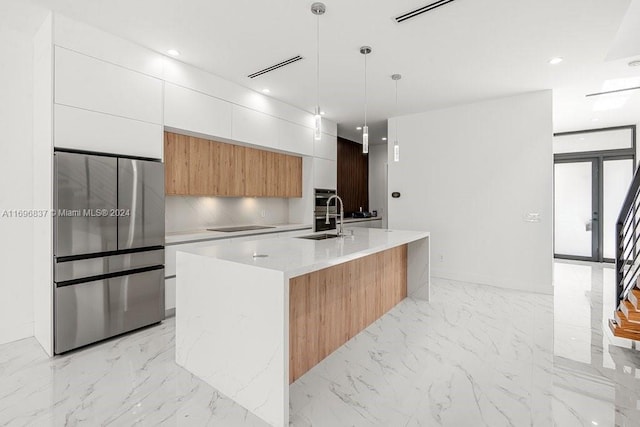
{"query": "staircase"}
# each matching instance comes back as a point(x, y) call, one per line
point(626, 319)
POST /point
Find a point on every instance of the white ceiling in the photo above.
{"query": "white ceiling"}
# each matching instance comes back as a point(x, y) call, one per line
point(466, 51)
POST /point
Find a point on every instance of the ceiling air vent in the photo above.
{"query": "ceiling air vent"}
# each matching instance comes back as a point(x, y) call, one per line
point(421, 10)
point(275, 67)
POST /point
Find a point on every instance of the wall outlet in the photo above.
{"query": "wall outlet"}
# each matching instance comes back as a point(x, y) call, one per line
point(441, 258)
point(532, 217)
point(263, 213)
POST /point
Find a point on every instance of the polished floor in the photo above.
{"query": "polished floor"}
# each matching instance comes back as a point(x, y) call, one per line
point(473, 356)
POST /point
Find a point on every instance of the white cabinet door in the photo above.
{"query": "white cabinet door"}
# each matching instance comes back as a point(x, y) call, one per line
point(170, 253)
point(87, 130)
point(326, 148)
point(254, 127)
point(325, 173)
point(85, 82)
point(193, 111)
point(295, 138)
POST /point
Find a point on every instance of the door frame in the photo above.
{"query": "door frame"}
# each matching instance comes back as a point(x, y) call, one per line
point(597, 158)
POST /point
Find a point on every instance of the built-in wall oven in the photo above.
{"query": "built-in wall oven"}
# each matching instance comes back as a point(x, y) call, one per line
point(108, 246)
point(320, 210)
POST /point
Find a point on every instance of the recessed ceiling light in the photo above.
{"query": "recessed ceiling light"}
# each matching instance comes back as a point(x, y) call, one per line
point(173, 52)
point(322, 113)
point(555, 61)
point(595, 423)
point(265, 90)
point(384, 138)
point(359, 128)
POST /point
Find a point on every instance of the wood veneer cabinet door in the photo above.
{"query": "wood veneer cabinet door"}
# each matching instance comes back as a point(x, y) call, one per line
point(237, 186)
point(294, 176)
point(200, 167)
point(176, 164)
point(274, 175)
point(222, 165)
point(255, 182)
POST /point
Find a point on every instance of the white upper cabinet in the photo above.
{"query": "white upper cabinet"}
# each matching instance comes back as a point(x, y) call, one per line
point(295, 138)
point(81, 129)
point(85, 39)
point(193, 111)
point(325, 173)
point(327, 147)
point(254, 127)
point(85, 82)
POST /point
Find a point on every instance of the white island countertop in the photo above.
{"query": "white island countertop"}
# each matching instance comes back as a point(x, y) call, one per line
point(295, 256)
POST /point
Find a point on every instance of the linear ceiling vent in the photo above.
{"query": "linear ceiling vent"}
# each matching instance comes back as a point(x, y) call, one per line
point(613, 91)
point(275, 67)
point(421, 10)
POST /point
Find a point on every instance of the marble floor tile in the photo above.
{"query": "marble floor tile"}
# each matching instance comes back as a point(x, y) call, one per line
point(472, 356)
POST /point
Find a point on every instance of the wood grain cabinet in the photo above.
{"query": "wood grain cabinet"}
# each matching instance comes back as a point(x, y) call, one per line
point(176, 164)
point(200, 167)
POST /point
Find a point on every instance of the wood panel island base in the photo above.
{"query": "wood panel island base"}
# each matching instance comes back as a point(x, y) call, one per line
point(330, 306)
point(252, 317)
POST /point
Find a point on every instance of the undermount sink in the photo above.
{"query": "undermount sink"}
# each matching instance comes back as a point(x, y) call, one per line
point(324, 236)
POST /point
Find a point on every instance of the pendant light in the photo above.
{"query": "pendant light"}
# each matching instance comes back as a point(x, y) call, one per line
point(396, 144)
point(365, 50)
point(318, 9)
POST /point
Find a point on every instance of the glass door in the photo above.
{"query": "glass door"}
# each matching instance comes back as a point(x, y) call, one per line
point(588, 196)
point(576, 209)
point(616, 179)
point(592, 173)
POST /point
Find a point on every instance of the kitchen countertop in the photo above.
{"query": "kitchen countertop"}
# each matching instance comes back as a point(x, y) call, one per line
point(294, 256)
point(175, 238)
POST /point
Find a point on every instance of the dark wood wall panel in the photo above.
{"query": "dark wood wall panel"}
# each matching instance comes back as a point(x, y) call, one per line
point(353, 176)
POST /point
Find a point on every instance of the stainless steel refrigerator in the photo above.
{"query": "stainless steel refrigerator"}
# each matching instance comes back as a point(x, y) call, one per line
point(108, 246)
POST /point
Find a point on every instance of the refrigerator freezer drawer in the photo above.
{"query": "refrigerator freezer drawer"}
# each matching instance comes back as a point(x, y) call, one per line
point(73, 270)
point(89, 312)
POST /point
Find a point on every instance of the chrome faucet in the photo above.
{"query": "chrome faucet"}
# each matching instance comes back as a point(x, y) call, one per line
point(340, 230)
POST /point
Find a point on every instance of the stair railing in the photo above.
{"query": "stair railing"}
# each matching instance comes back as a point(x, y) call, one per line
point(628, 241)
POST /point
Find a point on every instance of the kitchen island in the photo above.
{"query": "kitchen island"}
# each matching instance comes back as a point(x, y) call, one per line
point(252, 317)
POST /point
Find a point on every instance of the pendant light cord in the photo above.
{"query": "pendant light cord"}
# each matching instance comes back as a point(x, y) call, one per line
point(396, 141)
point(365, 89)
point(318, 63)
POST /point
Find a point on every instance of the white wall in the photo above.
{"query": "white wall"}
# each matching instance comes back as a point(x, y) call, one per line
point(469, 174)
point(17, 28)
point(378, 180)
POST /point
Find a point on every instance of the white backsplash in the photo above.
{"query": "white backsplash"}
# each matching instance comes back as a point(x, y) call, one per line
point(184, 213)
